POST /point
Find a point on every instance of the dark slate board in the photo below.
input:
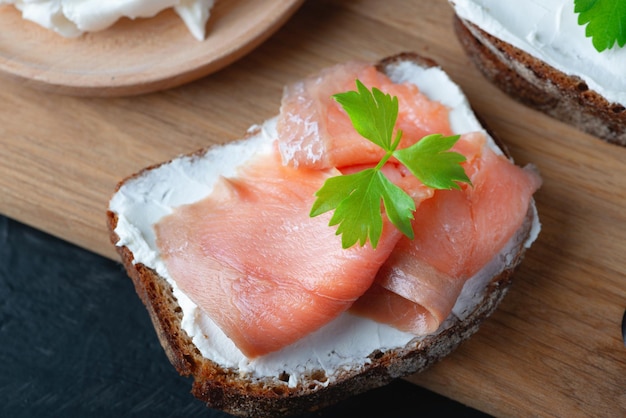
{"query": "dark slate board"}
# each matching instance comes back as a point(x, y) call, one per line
point(75, 340)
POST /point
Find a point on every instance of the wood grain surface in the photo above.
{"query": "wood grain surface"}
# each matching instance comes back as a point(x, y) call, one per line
point(554, 348)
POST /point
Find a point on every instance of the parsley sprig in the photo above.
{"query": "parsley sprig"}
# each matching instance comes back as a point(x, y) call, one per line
point(356, 198)
point(605, 20)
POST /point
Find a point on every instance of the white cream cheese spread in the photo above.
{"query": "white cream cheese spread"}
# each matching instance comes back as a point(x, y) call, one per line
point(345, 342)
point(549, 31)
point(71, 18)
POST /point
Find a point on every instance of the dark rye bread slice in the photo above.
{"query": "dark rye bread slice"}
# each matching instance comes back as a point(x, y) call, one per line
point(541, 86)
point(226, 389)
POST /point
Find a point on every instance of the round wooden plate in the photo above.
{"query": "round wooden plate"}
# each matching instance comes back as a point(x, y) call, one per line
point(135, 56)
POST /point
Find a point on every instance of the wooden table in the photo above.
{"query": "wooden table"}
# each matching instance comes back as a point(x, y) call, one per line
point(554, 347)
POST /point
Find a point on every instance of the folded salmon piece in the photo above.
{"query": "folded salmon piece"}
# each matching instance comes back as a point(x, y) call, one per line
point(457, 232)
point(315, 132)
point(264, 271)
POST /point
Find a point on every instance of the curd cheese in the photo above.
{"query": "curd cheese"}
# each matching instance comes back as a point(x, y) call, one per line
point(71, 18)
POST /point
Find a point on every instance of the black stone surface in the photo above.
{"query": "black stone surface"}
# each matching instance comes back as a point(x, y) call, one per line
point(75, 341)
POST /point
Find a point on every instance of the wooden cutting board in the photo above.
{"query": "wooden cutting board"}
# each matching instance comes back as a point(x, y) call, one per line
point(554, 348)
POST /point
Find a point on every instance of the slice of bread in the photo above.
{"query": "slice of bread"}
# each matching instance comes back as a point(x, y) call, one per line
point(349, 356)
point(539, 85)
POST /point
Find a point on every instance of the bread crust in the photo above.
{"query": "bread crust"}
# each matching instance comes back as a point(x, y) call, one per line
point(225, 389)
point(541, 86)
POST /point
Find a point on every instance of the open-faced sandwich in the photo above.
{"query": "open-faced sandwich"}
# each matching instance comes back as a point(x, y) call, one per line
point(305, 263)
point(72, 18)
point(538, 52)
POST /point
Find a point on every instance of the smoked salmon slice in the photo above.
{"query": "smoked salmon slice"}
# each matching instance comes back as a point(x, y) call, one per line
point(457, 232)
point(264, 271)
point(315, 132)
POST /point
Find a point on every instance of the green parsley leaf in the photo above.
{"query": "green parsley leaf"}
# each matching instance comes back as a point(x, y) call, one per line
point(430, 162)
point(605, 20)
point(356, 201)
point(356, 198)
point(373, 114)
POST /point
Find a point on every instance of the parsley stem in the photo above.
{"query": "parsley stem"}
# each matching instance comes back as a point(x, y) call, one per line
point(389, 152)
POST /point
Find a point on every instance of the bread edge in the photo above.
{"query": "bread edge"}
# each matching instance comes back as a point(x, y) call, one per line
point(225, 390)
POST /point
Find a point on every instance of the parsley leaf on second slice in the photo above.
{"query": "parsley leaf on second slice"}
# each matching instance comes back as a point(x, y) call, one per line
point(605, 20)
